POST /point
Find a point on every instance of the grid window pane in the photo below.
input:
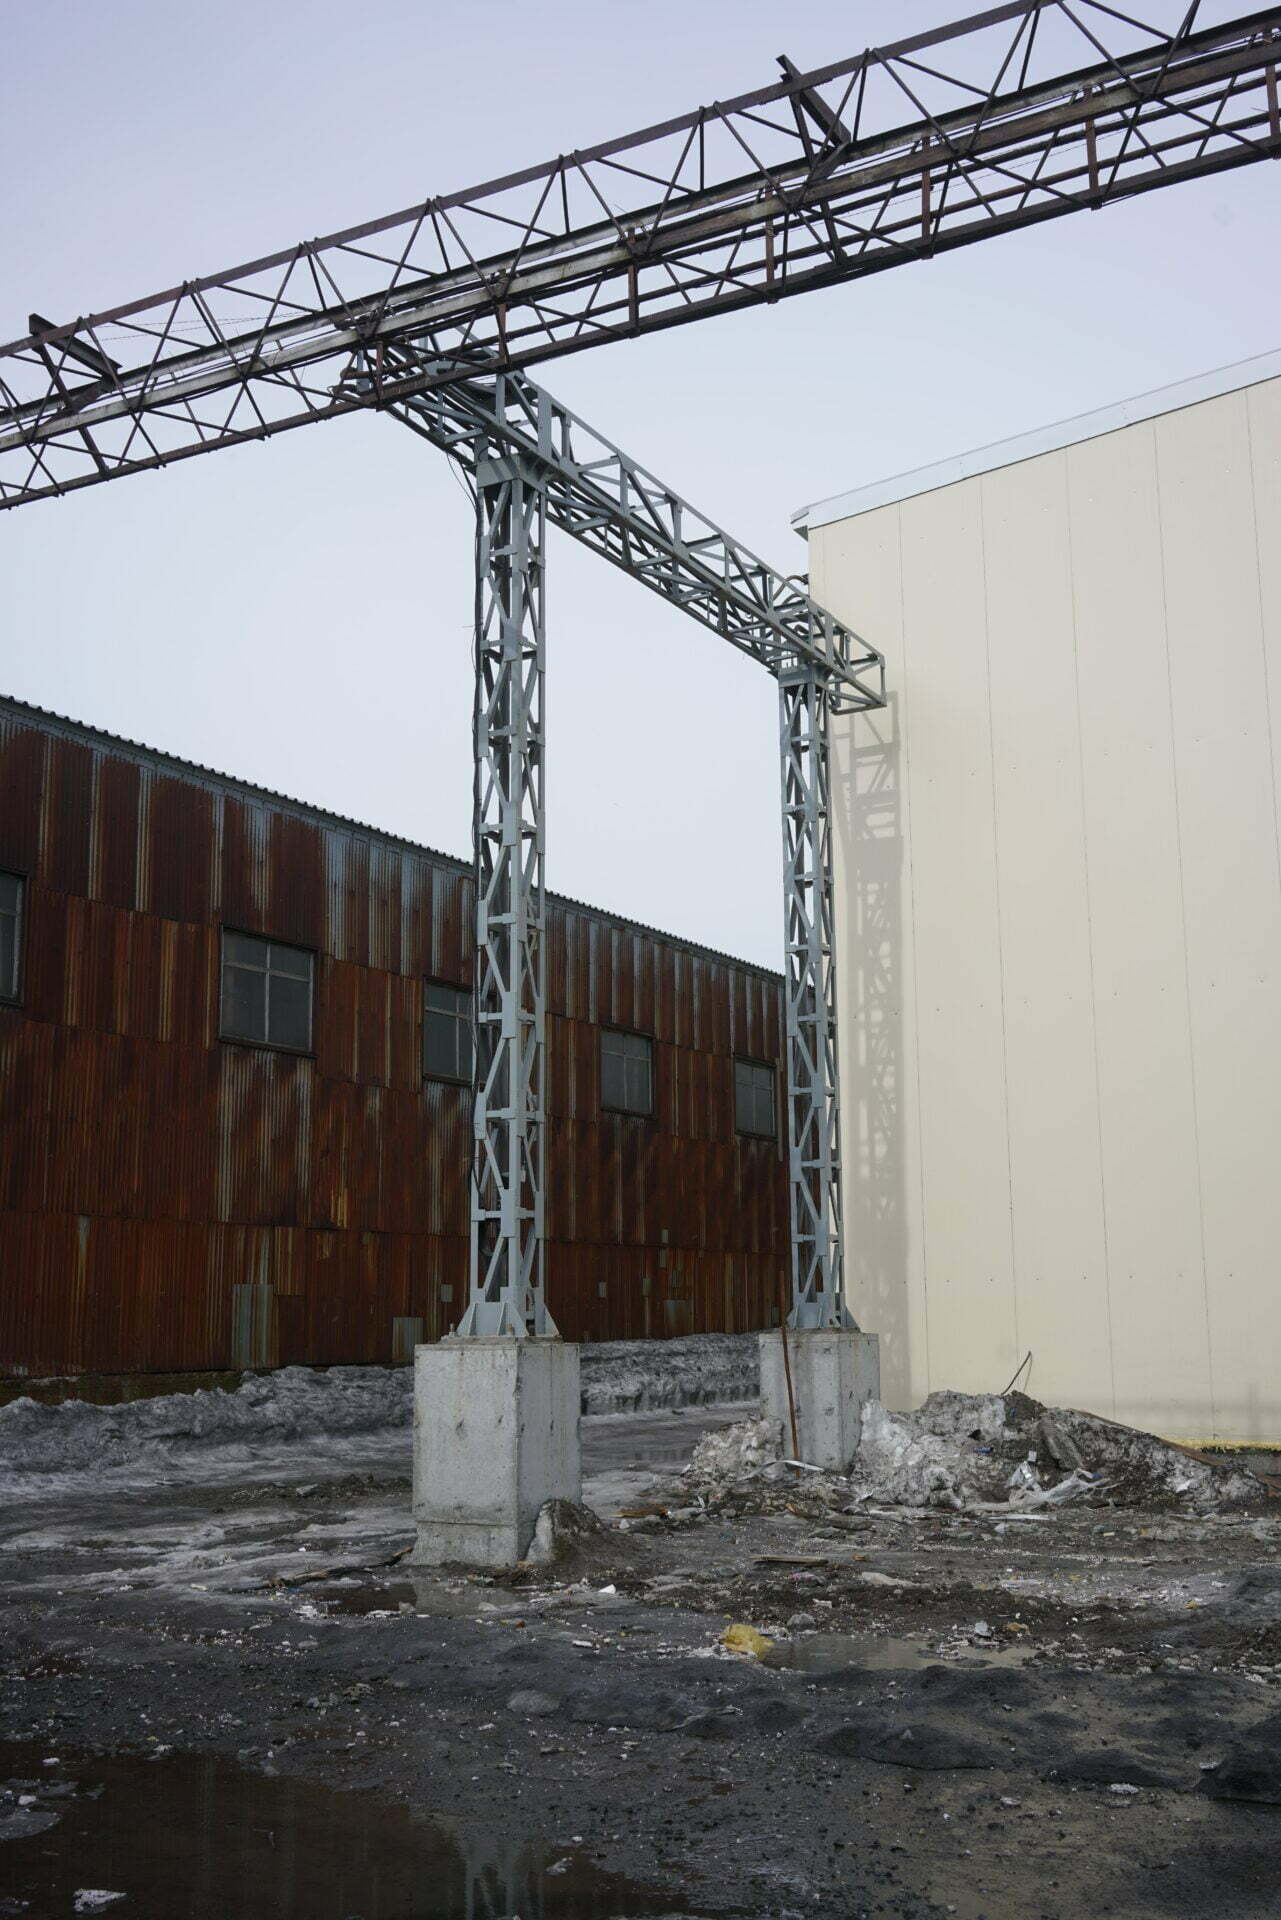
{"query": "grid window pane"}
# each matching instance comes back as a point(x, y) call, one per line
point(447, 1033)
point(266, 992)
point(244, 1003)
point(754, 1098)
point(10, 934)
point(288, 1011)
point(627, 1072)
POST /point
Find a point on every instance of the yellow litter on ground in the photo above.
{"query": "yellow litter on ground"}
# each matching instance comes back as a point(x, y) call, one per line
point(741, 1639)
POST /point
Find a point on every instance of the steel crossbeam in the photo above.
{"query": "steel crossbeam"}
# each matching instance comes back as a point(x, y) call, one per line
point(613, 505)
point(813, 1085)
point(507, 1199)
point(1021, 113)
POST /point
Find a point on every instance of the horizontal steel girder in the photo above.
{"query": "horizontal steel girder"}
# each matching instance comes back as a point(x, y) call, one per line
point(614, 506)
point(1019, 114)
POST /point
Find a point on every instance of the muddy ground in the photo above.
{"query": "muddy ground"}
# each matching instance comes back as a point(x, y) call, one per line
point(237, 1700)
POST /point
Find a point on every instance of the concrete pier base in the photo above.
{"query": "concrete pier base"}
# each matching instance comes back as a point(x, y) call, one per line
point(495, 1435)
point(835, 1371)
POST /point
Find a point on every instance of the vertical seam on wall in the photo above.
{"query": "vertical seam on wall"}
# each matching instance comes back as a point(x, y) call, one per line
point(1183, 919)
point(916, 997)
point(1000, 926)
point(1089, 930)
point(1263, 638)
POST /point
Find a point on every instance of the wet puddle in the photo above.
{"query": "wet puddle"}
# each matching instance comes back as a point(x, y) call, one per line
point(880, 1653)
point(189, 1838)
point(427, 1595)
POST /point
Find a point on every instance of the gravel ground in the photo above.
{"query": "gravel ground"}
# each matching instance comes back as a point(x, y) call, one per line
point(1070, 1714)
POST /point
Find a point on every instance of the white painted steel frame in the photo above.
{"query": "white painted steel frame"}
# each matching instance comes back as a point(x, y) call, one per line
point(502, 423)
point(813, 1087)
point(509, 1114)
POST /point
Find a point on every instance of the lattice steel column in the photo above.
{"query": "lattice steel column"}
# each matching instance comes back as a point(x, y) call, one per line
point(813, 1111)
point(506, 1295)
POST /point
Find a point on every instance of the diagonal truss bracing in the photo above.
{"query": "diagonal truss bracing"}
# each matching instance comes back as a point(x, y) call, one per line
point(526, 454)
point(809, 987)
point(507, 1194)
point(1026, 111)
point(618, 508)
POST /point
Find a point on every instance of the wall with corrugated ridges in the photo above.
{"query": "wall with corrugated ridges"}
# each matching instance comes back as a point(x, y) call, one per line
point(147, 1168)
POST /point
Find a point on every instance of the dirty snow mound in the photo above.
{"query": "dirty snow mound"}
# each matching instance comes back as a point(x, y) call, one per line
point(732, 1453)
point(354, 1417)
point(963, 1450)
point(642, 1376)
point(265, 1413)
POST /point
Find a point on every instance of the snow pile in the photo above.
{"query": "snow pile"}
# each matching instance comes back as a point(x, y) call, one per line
point(266, 1413)
point(642, 1376)
point(356, 1418)
point(902, 1466)
point(963, 1450)
point(733, 1453)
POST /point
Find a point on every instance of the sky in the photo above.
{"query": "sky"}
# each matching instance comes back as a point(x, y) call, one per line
point(298, 613)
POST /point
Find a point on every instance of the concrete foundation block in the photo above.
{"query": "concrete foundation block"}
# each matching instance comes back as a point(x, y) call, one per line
point(835, 1372)
point(495, 1436)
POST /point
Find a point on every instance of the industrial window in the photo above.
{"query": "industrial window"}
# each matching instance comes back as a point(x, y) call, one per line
point(447, 1038)
point(10, 935)
point(754, 1098)
point(266, 992)
point(627, 1072)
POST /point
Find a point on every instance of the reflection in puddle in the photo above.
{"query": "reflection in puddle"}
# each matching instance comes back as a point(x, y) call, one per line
point(425, 1593)
point(189, 1838)
point(879, 1653)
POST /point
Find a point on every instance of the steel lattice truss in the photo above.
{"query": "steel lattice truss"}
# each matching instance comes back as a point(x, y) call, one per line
point(616, 507)
point(507, 823)
point(813, 1088)
point(1024, 112)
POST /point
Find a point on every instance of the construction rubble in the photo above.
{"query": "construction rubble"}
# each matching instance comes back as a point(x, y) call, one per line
point(965, 1452)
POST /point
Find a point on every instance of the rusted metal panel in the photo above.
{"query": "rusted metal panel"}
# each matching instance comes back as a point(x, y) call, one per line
point(148, 1169)
point(23, 753)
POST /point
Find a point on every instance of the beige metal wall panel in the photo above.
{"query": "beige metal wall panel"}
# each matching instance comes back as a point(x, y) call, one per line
point(881, 1137)
point(1146, 1094)
point(1062, 999)
point(1056, 1203)
point(967, 1247)
point(1232, 906)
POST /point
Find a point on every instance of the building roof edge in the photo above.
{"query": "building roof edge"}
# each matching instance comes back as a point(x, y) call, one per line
point(23, 710)
point(1046, 439)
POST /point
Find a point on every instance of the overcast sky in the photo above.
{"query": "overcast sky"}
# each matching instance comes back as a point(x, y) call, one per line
point(297, 613)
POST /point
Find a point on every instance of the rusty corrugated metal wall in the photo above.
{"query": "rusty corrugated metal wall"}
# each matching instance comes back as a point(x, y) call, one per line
point(149, 1169)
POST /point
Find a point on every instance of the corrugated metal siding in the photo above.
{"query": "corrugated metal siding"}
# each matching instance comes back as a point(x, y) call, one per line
point(149, 1171)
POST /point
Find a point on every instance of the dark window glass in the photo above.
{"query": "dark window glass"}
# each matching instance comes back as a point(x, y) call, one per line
point(447, 1039)
point(627, 1072)
point(266, 992)
point(754, 1098)
point(10, 935)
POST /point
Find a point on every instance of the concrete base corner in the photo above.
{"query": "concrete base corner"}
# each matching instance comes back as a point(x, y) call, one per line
point(495, 1437)
point(835, 1372)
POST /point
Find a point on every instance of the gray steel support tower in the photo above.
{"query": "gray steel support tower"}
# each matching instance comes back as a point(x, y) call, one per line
point(507, 1226)
point(813, 1087)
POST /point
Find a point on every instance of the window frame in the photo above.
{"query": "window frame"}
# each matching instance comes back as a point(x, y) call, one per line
point(14, 998)
point(628, 1033)
point(267, 1046)
point(467, 996)
point(763, 1066)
